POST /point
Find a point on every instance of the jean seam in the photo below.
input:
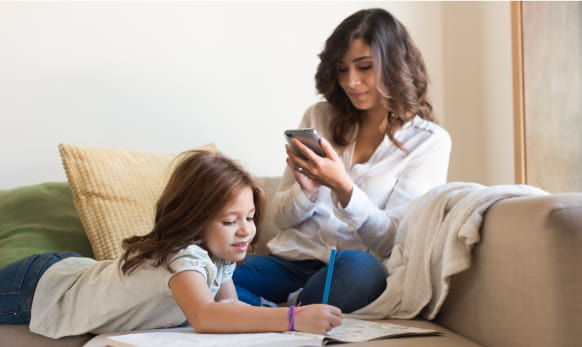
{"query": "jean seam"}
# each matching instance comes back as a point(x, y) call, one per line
point(15, 314)
point(22, 269)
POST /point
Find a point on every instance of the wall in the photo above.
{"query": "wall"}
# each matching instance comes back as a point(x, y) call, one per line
point(478, 91)
point(165, 77)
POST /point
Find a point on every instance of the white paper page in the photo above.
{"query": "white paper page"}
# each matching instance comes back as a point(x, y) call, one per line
point(354, 330)
point(189, 339)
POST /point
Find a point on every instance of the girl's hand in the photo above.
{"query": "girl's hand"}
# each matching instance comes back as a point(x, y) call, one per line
point(317, 318)
point(315, 171)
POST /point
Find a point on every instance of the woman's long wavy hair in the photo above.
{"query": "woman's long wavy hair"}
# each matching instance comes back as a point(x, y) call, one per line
point(201, 185)
point(402, 79)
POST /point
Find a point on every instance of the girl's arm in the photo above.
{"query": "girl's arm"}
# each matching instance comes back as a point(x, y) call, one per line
point(207, 316)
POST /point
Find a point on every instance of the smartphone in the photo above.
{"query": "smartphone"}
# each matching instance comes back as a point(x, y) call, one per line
point(308, 136)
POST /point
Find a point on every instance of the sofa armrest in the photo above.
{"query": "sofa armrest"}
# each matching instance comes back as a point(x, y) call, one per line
point(524, 287)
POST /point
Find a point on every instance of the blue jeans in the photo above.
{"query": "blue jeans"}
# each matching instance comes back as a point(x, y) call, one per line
point(358, 279)
point(18, 282)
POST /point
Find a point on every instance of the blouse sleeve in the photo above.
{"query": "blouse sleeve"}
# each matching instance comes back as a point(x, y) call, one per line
point(193, 258)
point(290, 205)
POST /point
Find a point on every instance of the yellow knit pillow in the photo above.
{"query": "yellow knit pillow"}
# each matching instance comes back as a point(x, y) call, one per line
point(115, 192)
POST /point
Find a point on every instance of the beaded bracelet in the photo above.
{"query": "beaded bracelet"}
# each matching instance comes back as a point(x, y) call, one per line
point(293, 310)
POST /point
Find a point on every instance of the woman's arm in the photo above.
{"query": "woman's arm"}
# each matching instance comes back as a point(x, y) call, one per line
point(207, 316)
point(316, 171)
point(290, 204)
point(296, 197)
point(297, 203)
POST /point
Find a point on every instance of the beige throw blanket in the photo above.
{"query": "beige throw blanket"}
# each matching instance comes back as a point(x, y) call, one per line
point(433, 242)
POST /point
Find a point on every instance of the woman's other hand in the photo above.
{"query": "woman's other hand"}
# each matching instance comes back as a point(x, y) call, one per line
point(314, 171)
point(317, 318)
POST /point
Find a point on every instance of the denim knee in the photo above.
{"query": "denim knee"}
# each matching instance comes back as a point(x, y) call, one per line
point(358, 279)
point(271, 277)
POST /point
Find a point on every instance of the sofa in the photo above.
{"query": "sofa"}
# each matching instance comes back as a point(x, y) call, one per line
point(524, 287)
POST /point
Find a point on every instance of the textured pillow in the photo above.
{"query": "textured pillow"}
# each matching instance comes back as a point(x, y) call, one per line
point(115, 192)
point(37, 219)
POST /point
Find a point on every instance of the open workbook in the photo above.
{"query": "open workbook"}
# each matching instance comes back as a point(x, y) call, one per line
point(351, 330)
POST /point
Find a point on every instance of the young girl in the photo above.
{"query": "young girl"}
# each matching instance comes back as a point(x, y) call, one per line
point(205, 222)
point(382, 149)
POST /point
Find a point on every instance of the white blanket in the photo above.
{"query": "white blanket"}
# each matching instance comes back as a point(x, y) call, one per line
point(433, 242)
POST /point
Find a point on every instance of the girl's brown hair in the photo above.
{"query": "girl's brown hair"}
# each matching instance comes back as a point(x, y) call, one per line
point(401, 73)
point(201, 185)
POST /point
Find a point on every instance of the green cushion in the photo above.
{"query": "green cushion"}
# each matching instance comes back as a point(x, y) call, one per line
point(37, 219)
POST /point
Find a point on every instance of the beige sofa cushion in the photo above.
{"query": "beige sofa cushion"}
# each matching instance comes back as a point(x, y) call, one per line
point(115, 191)
point(268, 228)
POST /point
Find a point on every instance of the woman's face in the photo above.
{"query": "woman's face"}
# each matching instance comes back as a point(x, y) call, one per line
point(229, 235)
point(357, 76)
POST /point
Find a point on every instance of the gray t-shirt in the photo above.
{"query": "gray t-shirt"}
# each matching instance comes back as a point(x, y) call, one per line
point(81, 295)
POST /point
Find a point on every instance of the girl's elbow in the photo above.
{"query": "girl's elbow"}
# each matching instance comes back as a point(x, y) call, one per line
point(202, 329)
point(201, 326)
point(200, 322)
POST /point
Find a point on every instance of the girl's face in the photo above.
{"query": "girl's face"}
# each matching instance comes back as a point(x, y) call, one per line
point(229, 235)
point(357, 76)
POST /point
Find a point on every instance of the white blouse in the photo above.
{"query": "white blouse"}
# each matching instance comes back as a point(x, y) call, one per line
point(382, 187)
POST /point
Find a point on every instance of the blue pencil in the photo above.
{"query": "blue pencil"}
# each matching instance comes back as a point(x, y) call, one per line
point(329, 275)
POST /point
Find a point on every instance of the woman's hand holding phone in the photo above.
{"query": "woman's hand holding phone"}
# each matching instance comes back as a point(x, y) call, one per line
point(316, 170)
point(308, 185)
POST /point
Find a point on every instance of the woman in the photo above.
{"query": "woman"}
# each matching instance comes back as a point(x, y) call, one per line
point(384, 149)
